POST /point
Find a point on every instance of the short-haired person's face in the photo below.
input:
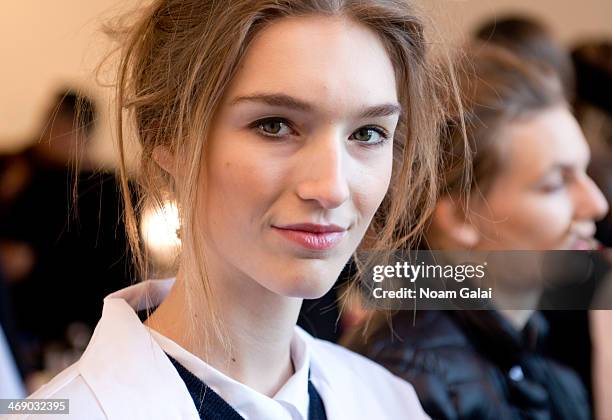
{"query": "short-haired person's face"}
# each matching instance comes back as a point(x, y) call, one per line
point(542, 198)
point(299, 156)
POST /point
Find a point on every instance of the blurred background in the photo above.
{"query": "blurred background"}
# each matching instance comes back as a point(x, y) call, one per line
point(50, 53)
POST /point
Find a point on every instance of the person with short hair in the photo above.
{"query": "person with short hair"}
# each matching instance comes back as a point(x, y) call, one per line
point(529, 192)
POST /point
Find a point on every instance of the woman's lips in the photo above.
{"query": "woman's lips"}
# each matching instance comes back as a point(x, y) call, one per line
point(585, 244)
point(314, 237)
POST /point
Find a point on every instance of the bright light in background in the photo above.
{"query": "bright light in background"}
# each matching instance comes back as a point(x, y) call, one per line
point(159, 229)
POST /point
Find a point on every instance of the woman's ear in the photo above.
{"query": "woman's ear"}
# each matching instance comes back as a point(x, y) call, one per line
point(165, 159)
point(452, 225)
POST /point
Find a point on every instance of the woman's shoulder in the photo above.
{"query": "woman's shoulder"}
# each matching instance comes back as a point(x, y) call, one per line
point(71, 386)
point(330, 354)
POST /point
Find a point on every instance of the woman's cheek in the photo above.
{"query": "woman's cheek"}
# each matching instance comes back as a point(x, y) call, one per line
point(544, 220)
point(378, 176)
point(371, 189)
point(248, 179)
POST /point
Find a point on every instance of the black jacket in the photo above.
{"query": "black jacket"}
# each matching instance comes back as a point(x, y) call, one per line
point(475, 365)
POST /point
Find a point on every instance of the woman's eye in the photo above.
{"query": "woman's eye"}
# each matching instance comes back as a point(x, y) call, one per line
point(369, 135)
point(273, 127)
point(555, 184)
point(558, 183)
point(552, 188)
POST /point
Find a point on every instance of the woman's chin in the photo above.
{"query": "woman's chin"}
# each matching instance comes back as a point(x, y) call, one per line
point(302, 286)
point(306, 288)
point(305, 279)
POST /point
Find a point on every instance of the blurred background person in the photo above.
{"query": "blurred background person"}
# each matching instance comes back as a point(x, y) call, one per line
point(532, 40)
point(593, 108)
point(530, 191)
point(59, 237)
point(586, 75)
point(588, 90)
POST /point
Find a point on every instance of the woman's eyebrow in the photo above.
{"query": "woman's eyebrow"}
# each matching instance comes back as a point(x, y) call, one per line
point(384, 110)
point(275, 99)
point(566, 167)
point(286, 101)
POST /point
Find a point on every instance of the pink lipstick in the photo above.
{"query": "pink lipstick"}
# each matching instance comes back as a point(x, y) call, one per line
point(312, 236)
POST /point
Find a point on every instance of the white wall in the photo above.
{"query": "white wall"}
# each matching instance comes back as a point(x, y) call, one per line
point(571, 20)
point(44, 44)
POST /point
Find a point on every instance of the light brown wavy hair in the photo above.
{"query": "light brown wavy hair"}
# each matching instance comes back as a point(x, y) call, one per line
point(497, 87)
point(178, 58)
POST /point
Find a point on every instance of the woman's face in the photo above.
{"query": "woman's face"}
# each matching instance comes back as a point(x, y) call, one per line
point(300, 155)
point(542, 198)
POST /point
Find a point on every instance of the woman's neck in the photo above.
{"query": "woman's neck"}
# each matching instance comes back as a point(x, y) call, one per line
point(517, 317)
point(257, 324)
point(526, 299)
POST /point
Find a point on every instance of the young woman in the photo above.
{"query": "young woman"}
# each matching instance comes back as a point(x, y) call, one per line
point(529, 191)
point(278, 128)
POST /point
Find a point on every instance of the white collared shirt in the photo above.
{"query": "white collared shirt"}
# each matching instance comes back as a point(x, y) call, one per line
point(125, 374)
point(290, 402)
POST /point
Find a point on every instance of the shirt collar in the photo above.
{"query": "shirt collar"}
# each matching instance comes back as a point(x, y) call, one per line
point(139, 347)
point(292, 397)
point(127, 371)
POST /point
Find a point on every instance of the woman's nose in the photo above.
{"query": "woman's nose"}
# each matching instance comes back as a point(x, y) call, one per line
point(590, 201)
point(324, 176)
